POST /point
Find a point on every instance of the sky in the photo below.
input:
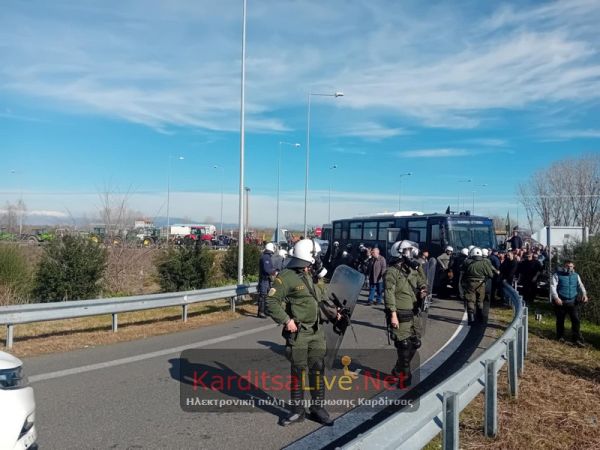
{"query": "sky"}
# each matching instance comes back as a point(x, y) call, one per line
point(109, 96)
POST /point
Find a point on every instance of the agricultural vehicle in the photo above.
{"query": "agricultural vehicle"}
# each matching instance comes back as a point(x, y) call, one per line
point(38, 236)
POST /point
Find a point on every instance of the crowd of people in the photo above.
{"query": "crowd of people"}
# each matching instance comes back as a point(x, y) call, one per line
point(291, 285)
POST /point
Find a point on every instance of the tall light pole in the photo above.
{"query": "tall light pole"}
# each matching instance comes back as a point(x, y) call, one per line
point(296, 145)
point(466, 180)
point(329, 209)
point(407, 174)
point(310, 94)
point(169, 195)
point(216, 166)
point(242, 143)
point(247, 189)
point(477, 185)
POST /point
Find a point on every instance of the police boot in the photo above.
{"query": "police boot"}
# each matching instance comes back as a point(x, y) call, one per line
point(317, 390)
point(471, 318)
point(405, 350)
point(297, 411)
point(261, 307)
point(479, 314)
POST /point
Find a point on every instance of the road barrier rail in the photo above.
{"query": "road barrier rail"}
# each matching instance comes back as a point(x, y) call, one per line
point(44, 312)
point(440, 407)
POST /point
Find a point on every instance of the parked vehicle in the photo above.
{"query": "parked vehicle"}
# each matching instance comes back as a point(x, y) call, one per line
point(17, 406)
point(189, 234)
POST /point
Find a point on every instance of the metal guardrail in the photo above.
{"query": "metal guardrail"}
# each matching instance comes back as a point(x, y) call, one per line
point(439, 408)
point(43, 312)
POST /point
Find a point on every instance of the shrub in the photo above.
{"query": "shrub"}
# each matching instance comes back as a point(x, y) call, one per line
point(184, 268)
point(71, 268)
point(587, 264)
point(252, 255)
point(15, 276)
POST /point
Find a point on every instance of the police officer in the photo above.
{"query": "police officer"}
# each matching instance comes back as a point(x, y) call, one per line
point(444, 268)
point(296, 302)
point(475, 273)
point(457, 266)
point(265, 273)
point(403, 285)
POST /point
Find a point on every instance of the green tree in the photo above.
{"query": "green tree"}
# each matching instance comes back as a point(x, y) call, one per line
point(184, 268)
point(71, 268)
point(252, 255)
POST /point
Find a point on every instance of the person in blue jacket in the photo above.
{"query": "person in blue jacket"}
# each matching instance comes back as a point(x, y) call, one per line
point(266, 273)
point(568, 293)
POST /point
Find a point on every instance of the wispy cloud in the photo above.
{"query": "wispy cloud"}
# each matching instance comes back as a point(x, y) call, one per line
point(576, 134)
point(435, 153)
point(176, 64)
point(373, 131)
point(350, 151)
point(488, 142)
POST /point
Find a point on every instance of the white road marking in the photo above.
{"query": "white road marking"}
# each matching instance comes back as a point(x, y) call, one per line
point(353, 418)
point(144, 356)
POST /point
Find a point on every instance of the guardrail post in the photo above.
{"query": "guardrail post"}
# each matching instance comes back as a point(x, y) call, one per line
point(526, 329)
point(232, 303)
point(115, 322)
point(520, 347)
point(184, 312)
point(9, 335)
point(491, 398)
point(450, 424)
point(513, 381)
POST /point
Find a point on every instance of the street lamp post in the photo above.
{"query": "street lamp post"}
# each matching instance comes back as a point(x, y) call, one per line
point(240, 274)
point(310, 94)
point(222, 169)
point(296, 145)
point(329, 209)
point(407, 174)
point(247, 189)
point(169, 195)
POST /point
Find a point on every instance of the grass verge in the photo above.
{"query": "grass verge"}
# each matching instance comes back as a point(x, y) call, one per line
point(558, 404)
point(64, 335)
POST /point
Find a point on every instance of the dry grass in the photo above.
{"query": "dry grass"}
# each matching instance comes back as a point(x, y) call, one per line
point(558, 406)
point(65, 335)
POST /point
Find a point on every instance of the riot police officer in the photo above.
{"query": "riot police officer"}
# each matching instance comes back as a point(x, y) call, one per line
point(403, 287)
point(296, 302)
point(475, 273)
point(265, 273)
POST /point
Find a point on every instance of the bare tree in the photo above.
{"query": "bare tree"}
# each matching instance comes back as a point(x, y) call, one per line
point(9, 217)
point(565, 194)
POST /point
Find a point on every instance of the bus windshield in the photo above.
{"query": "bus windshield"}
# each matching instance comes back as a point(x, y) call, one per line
point(463, 233)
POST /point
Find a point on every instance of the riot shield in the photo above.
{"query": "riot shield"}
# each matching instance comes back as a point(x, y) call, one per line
point(343, 289)
point(430, 268)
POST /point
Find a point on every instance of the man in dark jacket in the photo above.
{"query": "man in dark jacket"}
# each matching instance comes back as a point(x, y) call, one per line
point(528, 272)
point(508, 268)
point(516, 242)
point(266, 272)
point(496, 281)
point(377, 267)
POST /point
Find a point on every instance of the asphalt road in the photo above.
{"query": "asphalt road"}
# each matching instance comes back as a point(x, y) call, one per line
point(127, 395)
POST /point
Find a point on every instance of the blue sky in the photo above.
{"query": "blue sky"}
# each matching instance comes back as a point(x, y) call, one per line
point(97, 94)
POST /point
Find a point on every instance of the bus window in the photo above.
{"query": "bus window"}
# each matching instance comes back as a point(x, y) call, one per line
point(382, 235)
point(370, 231)
point(356, 230)
point(435, 237)
point(337, 231)
point(345, 226)
point(417, 231)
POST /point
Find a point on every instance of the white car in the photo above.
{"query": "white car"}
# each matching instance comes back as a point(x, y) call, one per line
point(17, 406)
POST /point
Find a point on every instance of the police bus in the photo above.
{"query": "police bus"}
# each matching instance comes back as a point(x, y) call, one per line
point(431, 231)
